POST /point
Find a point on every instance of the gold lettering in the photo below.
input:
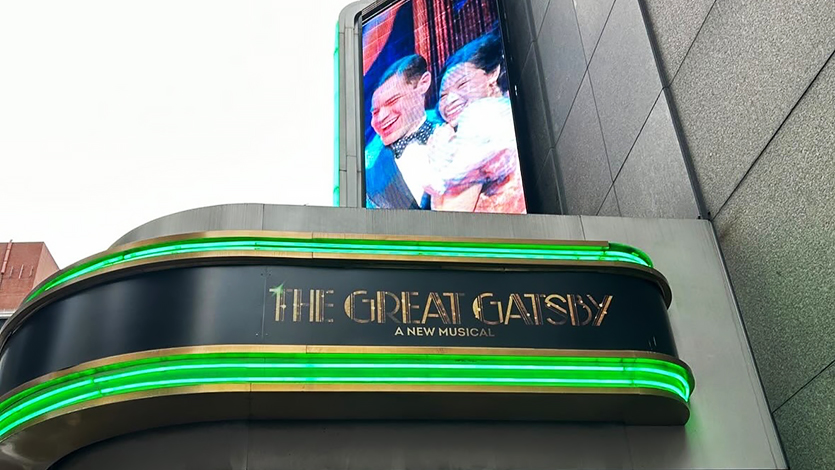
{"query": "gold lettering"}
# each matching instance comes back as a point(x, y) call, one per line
point(523, 314)
point(280, 302)
point(536, 306)
point(455, 306)
point(382, 313)
point(349, 303)
point(572, 312)
point(435, 299)
point(561, 312)
point(577, 300)
point(315, 299)
point(371, 310)
point(407, 307)
point(313, 306)
point(298, 304)
point(324, 304)
point(350, 307)
point(602, 308)
point(478, 309)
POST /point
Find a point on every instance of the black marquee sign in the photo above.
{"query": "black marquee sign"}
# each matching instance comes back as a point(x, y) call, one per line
point(353, 306)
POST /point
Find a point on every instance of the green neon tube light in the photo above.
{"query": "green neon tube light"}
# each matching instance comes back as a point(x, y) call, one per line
point(614, 252)
point(341, 368)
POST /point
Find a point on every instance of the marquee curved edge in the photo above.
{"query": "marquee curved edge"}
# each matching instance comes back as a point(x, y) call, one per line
point(54, 415)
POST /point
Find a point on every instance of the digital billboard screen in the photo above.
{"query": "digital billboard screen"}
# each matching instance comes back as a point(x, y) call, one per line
point(438, 123)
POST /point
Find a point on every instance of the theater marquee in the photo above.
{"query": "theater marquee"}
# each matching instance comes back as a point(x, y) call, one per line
point(320, 326)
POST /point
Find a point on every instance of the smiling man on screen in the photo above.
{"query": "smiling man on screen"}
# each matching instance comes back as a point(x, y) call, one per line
point(397, 159)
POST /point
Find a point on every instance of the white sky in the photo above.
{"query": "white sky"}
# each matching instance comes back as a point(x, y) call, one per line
point(115, 112)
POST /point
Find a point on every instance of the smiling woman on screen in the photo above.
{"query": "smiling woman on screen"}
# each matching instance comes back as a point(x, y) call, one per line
point(474, 160)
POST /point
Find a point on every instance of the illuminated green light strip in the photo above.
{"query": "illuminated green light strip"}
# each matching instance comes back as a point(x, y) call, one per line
point(42, 397)
point(612, 253)
point(682, 384)
point(56, 406)
point(504, 381)
point(341, 368)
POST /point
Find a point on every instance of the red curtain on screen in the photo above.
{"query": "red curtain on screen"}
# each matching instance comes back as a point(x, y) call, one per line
point(440, 30)
point(375, 37)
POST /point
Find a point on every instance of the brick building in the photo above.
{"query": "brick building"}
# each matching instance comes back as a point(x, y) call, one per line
point(22, 267)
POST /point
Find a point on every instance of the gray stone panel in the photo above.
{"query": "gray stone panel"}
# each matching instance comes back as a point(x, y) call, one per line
point(581, 157)
point(353, 183)
point(547, 191)
point(303, 219)
point(747, 68)
point(592, 15)
point(675, 24)
point(538, 8)
point(533, 106)
point(563, 62)
point(343, 189)
point(807, 424)
point(386, 446)
point(625, 79)
point(610, 205)
point(777, 235)
point(202, 446)
point(451, 224)
point(654, 180)
point(356, 220)
point(204, 219)
point(730, 425)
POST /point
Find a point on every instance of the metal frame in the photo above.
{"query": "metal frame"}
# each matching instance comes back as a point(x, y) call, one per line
point(350, 115)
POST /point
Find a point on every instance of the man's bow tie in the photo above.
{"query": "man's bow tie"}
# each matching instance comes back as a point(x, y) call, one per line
point(421, 136)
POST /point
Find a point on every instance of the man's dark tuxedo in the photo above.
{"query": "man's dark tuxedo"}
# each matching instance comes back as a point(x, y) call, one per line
point(385, 187)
